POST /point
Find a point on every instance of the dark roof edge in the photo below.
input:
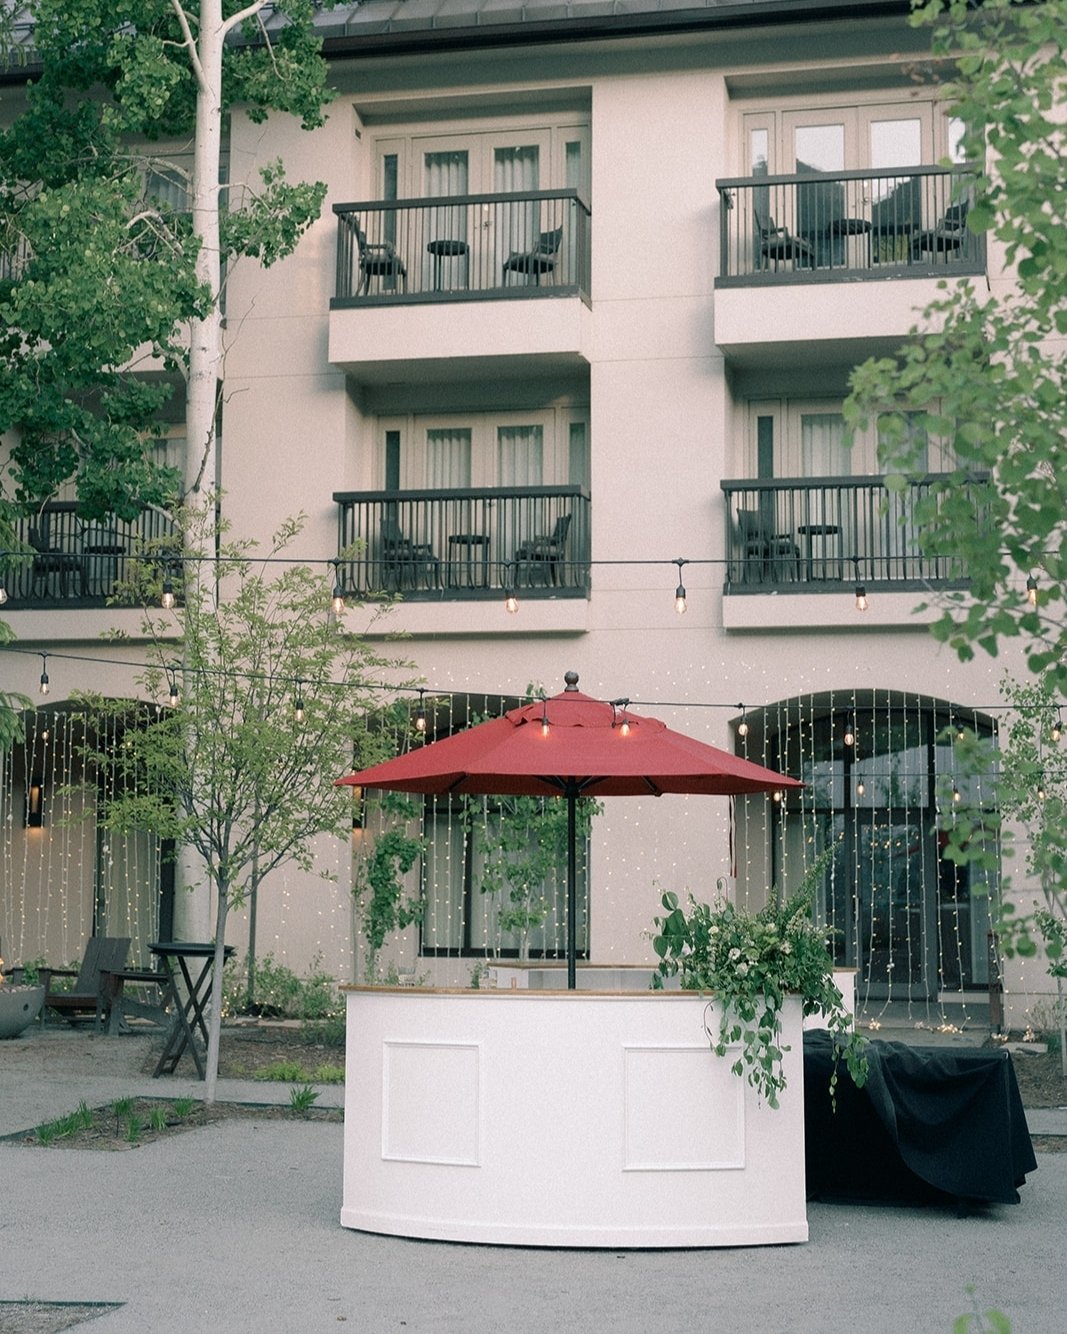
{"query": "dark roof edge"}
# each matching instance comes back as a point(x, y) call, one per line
point(531, 31)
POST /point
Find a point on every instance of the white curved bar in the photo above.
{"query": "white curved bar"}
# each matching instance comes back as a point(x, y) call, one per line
point(544, 1118)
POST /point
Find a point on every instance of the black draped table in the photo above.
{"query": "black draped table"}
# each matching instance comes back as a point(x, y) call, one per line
point(931, 1123)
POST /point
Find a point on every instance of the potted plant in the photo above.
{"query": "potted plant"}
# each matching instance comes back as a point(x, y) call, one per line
point(751, 962)
point(19, 1004)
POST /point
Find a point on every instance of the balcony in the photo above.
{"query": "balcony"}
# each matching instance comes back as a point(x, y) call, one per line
point(788, 243)
point(466, 543)
point(428, 286)
point(795, 535)
point(71, 562)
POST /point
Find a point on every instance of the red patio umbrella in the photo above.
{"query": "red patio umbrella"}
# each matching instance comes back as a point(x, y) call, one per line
point(571, 745)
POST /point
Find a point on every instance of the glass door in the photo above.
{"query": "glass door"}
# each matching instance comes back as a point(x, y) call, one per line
point(468, 244)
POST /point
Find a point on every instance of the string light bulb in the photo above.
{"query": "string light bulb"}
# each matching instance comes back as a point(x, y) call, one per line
point(420, 714)
point(680, 604)
point(3, 589)
point(511, 602)
point(862, 602)
point(545, 728)
point(298, 706)
point(850, 733)
point(957, 796)
point(1057, 727)
point(742, 726)
point(44, 674)
point(167, 598)
point(172, 688)
point(861, 788)
point(337, 601)
point(1031, 590)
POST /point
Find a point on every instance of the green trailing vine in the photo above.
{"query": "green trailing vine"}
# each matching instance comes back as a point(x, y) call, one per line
point(751, 962)
point(380, 885)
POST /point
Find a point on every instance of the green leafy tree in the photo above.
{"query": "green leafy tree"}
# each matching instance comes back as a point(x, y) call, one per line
point(985, 375)
point(985, 371)
point(100, 280)
point(271, 693)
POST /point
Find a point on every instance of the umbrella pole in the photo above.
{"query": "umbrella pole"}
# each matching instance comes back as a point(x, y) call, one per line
point(572, 879)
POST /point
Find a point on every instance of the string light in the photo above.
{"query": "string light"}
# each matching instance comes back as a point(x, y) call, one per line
point(679, 593)
point(172, 688)
point(1031, 590)
point(3, 586)
point(1057, 727)
point(420, 714)
point(544, 716)
point(337, 601)
point(298, 705)
point(850, 732)
point(511, 602)
point(742, 726)
point(44, 674)
point(167, 599)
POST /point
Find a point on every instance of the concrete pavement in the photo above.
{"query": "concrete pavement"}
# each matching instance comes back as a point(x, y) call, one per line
point(235, 1228)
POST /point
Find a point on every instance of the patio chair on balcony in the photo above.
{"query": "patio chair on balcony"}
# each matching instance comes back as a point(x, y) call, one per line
point(768, 557)
point(543, 555)
point(49, 558)
point(378, 260)
point(948, 236)
point(541, 259)
point(777, 245)
point(406, 563)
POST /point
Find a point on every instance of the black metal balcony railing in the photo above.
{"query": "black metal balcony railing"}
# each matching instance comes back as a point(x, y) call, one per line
point(850, 224)
point(463, 247)
point(69, 560)
point(465, 543)
point(792, 532)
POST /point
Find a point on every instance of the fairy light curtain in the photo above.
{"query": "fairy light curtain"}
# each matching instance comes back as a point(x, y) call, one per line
point(62, 877)
point(487, 891)
point(882, 785)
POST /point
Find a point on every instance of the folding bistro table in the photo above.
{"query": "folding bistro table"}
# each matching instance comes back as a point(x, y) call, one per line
point(180, 957)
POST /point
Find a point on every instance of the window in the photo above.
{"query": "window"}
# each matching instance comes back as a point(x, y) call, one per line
point(880, 769)
point(541, 447)
point(496, 878)
point(849, 136)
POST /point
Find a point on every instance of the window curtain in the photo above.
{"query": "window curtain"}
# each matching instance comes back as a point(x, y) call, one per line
point(448, 458)
point(445, 173)
point(823, 452)
point(516, 171)
point(520, 456)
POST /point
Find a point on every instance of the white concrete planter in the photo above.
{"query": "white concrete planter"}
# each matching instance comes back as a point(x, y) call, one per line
point(547, 1118)
point(19, 1007)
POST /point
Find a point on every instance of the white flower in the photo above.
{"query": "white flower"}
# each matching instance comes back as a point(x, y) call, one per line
point(734, 954)
point(786, 947)
point(742, 969)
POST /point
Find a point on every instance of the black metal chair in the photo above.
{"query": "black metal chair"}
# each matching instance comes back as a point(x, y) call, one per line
point(544, 553)
point(378, 260)
point(777, 245)
point(540, 260)
point(766, 555)
point(948, 237)
point(404, 560)
point(50, 558)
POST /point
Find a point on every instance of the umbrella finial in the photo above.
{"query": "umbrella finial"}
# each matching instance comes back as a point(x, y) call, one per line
point(571, 678)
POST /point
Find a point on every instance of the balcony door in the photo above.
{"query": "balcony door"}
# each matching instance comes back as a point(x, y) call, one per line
point(477, 238)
